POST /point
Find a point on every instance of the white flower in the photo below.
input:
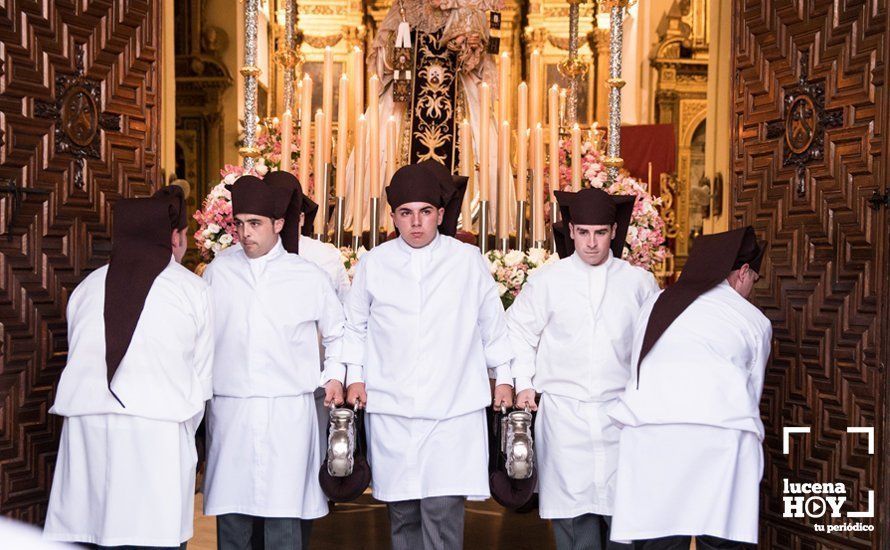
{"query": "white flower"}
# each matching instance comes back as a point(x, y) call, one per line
point(261, 168)
point(225, 240)
point(492, 265)
point(207, 234)
point(536, 256)
point(501, 289)
point(208, 244)
point(514, 257)
point(213, 228)
point(228, 180)
point(632, 232)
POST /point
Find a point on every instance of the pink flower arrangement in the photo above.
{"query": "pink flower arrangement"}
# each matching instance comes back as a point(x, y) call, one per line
point(645, 246)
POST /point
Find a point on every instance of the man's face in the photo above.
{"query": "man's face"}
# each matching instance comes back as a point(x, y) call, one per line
point(592, 242)
point(257, 234)
point(743, 280)
point(417, 222)
point(180, 242)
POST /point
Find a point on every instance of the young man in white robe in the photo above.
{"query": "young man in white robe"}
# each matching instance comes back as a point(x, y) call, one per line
point(571, 328)
point(690, 454)
point(140, 339)
point(296, 236)
point(425, 326)
point(263, 456)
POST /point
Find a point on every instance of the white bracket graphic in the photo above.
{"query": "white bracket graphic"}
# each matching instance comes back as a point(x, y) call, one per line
point(788, 430)
point(871, 437)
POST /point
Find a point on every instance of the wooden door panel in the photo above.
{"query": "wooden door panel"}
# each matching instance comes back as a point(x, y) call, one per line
point(79, 129)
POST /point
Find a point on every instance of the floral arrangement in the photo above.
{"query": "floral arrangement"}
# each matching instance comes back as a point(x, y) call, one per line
point(350, 259)
point(268, 141)
point(512, 270)
point(645, 245)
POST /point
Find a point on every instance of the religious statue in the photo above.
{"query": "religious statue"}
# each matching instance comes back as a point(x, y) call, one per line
point(431, 57)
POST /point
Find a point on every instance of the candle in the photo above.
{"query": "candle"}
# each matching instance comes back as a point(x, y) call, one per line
point(535, 86)
point(374, 134)
point(287, 130)
point(538, 185)
point(563, 97)
point(466, 169)
point(504, 208)
point(358, 188)
point(305, 129)
point(504, 87)
point(576, 158)
point(320, 197)
point(392, 162)
point(554, 140)
point(483, 142)
point(342, 136)
point(522, 144)
point(328, 101)
point(358, 80)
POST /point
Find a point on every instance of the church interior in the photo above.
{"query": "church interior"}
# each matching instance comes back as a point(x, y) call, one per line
point(719, 113)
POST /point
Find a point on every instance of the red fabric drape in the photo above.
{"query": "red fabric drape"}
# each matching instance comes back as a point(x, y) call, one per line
point(645, 143)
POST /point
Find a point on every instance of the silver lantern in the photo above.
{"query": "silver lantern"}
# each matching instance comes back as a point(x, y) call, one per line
point(341, 442)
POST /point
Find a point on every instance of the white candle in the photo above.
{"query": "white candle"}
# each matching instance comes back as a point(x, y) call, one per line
point(554, 140)
point(342, 136)
point(576, 158)
point(504, 206)
point(320, 197)
point(392, 157)
point(538, 185)
point(328, 101)
point(287, 130)
point(484, 142)
point(535, 86)
point(466, 169)
point(358, 80)
point(305, 130)
point(504, 87)
point(522, 144)
point(374, 134)
point(358, 189)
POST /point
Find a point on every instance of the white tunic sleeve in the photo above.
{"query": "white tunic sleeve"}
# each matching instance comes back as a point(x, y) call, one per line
point(526, 320)
point(357, 307)
point(331, 323)
point(493, 328)
point(204, 344)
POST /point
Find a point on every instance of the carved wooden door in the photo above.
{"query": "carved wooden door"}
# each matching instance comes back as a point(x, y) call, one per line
point(810, 159)
point(78, 130)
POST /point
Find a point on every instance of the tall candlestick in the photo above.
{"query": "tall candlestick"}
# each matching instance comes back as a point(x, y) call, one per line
point(287, 130)
point(466, 169)
point(538, 185)
point(342, 136)
point(305, 131)
point(504, 88)
point(504, 208)
point(576, 158)
point(563, 99)
point(327, 104)
point(320, 198)
point(535, 86)
point(522, 144)
point(358, 188)
point(374, 134)
point(554, 140)
point(358, 79)
point(484, 158)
